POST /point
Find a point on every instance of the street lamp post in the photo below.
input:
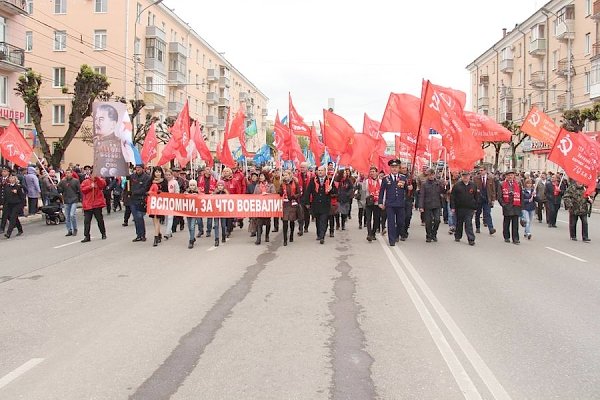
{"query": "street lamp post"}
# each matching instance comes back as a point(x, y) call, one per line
point(136, 53)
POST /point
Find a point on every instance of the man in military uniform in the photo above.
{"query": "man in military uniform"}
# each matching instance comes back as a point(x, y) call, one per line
point(392, 199)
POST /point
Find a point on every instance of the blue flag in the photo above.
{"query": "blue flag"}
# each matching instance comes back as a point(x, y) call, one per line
point(263, 155)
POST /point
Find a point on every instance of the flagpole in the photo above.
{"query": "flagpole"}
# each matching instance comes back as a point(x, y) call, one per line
point(44, 168)
point(414, 159)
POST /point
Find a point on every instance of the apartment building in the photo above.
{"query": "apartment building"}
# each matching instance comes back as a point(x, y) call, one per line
point(551, 61)
point(12, 60)
point(147, 52)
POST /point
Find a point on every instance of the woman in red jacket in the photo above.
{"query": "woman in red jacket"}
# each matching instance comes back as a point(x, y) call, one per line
point(93, 202)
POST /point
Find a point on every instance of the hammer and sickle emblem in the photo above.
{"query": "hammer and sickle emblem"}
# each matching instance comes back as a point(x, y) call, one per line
point(534, 119)
point(565, 145)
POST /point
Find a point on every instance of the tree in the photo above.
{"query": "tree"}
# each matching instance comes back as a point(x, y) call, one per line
point(516, 139)
point(88, 86)
point(574, 120)
point(497, 146)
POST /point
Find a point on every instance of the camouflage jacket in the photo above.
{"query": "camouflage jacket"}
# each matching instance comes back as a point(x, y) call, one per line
point(575, 201)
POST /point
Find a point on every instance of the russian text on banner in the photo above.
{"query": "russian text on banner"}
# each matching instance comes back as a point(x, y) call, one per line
point(217, 206)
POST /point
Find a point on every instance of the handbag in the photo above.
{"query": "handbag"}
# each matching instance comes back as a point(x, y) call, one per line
point(370, 201)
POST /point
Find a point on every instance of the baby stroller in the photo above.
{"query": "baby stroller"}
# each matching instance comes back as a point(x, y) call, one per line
point(53, 211)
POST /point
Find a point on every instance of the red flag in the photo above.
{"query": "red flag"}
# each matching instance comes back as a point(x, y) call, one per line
point(14, 147)
point(434, 147)
point(296, 122)
point(149, 151)
point(237, 129)
point(316, 146)
point(168, 153)
point(402, 150)
point(338, 134)
point(540, 126)
point(281, 136)
point(402, 115)
point(201, 146)
point(362, 154)
point(443, 111)
point(224, 154)
point(383, 163)
point(295, 150)
point(372, 129)
point(485, 129)
point(577, 155)
point(180, 132)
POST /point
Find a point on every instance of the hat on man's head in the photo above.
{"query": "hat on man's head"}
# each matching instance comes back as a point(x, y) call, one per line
point(87, 166)
point(141, 165)
point(463, 173)
point(176, 169)
point(510, 171)
point(394, 163)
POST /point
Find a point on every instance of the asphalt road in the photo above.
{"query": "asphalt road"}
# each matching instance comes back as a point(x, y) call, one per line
point(111, 319)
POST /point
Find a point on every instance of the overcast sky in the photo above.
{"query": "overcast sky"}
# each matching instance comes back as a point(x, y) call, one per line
point(356, 52)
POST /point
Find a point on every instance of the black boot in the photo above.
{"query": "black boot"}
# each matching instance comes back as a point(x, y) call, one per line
point(216, 241)
point(191, 244)
point(258, 234)
point(292, 226)
point(267, 233)
point(155, 241)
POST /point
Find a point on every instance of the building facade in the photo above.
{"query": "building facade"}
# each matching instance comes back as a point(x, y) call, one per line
point(551, 61)
point(12, 60)
point(147, 52)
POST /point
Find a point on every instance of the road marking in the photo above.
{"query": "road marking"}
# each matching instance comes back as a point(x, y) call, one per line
point(211, 248)
point(564, 222)
point(566, 254)
point(68, 244)
point(463, 380)
point(6, 379)
point(486, 374)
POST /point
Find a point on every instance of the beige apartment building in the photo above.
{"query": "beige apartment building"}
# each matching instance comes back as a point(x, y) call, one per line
point(12, 60)
point(551, 61)
point(147, 52)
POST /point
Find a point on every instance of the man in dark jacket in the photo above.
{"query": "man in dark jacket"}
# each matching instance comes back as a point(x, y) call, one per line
point(4, 175)
point(14, 200)
point(486, 185)
point(392, 199)
point(139, 185)
point(463, 202)
point(318, 197)
point(430, 203)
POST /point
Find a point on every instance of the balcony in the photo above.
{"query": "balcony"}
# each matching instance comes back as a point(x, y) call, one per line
point(155, 32)
point(213, 75)
point(174, 107)
point(484, 79)
point(506, 65)
point(13, 7)
point(537, 47)
point(538, 79)
point(176, 78)
point(12, 58)
point(221, 124)
point(178, 48)
point(565, 30)
point(223, 102)
point(562, 69)
point(154, 64)
point(224, 82)
point(483, 102)
point(505, 93)
point(540, 105)
point(154, 101)
point(561, 102)
point(212, 98)
point(211, 121)
point(505, 116)
point(265, 112)
point(596, 10)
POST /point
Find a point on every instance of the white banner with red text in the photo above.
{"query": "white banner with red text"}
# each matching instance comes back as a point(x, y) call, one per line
point(215, 206)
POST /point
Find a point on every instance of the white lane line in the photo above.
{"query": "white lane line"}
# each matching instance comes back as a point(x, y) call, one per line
point(461, 376)
point(68, 244)
point(8, 378)
point(486, 374)
point(211, 248)
point(566, 254)
point(564, 222)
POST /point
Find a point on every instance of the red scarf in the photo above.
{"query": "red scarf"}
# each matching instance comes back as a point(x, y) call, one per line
point(263, 187)
point(556, 190)
point(289, 190)
point(317, 185)
point(374, 188)
point(515, 190)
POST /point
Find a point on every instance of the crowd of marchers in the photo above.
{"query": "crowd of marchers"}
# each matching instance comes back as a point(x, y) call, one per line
point(321, 196)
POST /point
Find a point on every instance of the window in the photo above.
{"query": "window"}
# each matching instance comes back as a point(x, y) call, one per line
point(555, 60)
point(101, 6)
point(553, 94)
point(100, 39)
point(538, 32)
point(59, 77)
point(4, 90)
point(519, 78)
point(60, 6)
point(58, 114)
point(155, 49)
point(29, 7)
point(60, 40)
point(28, 41)
point(587, 44)
point(2, 29)
point(136, 46)
point(100, 70)
point(197, 56)
point(587, 81)
point(197, 82)
point(588, 7)
point(177, 63)
point(138, 12)
point(149, 84)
